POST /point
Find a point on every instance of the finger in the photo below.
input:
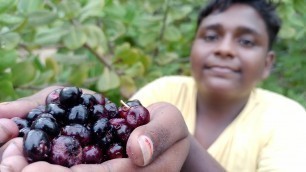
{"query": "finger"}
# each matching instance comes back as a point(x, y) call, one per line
point(13, 164)
point(120, 164)
point(170, 160)
point(8, 130)
point(13, 148)
point(46, 167)
point(12, 157)
point(165, 128)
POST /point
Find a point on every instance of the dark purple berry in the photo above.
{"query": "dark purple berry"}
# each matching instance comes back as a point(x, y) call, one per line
point(20, 122)
point(53, 97)
point(137, 116)
point(115, 151)
point(92, 154)
point(100, 127)
point(98, 111)
point(79, 132)
point(23, 131)
point(48, 125)
point(36, 145)
point(66, 151)
point(78, 114)
point(111, 109)
point(88, 100)
point(99, 98)
point(58, 112)
point(70, 96)
point(33, 114)
point(46, 115)
point(106, 140)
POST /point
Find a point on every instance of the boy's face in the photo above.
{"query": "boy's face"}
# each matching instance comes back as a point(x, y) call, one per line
point(230, 51)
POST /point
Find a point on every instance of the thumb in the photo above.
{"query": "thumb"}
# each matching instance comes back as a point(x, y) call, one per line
point(165, 128)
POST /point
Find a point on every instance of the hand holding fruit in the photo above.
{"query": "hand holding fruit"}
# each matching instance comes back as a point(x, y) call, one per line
point(164, 137)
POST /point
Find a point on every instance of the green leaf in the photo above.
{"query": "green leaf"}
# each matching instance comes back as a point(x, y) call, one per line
point(8, 19)
point(7, 90)
point(42, 77)
point(93, 8)
point(23, 73)
point(127, 55)
point(95, 36)
point(50, 36)
point(28, 6)
point(107, 81)
point(41, 17)
point(70, 8)
point(75, 39)
point(167, 58)
point(78, 75)
point(136, 70)
point(7, 59)
point(128, 86)
point(52, 65)
point(9, 40)
point(172, 34)
point(179, 13)
point(5, 5)
point(147, 39)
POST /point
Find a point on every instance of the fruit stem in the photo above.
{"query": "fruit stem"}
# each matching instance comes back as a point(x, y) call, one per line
point(124, 104)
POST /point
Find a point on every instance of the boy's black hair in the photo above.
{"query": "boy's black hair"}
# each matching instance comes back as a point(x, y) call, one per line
point(266, 9)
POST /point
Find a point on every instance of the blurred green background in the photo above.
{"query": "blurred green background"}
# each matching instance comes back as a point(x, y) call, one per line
point(116, 46)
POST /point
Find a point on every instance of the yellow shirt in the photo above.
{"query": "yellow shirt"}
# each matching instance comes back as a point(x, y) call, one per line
point(268, 135)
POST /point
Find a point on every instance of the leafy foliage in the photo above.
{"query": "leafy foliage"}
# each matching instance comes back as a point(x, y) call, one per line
point(117, 46)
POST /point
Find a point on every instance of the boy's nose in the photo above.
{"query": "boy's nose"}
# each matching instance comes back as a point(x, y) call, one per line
point(225, 48)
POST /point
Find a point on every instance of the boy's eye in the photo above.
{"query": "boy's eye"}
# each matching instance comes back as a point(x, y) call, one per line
point(246, 43)
point(210, 37)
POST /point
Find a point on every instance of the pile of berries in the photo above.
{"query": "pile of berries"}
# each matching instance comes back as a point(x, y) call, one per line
point(77, 128)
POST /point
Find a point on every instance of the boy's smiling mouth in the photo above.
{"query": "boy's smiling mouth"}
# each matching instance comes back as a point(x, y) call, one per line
point(221, 69)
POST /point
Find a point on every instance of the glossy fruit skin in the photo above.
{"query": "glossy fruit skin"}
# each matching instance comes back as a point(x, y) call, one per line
point(23, 131)
point(58, 112)
point(92, 154)
point(100, 99)
point(70, 96)
point(111, 109)
point(53, 97)
point(100, 128)
point(88, 100)
point(21, 123)
point(115, 151)
point(79, 132)
point(123, 109)
point(33, 114)
point(137, 116)
point(48, 125)
point(36, 145)
point(66, 151)
point(74, 128)
point(78, 114)
point(98, 111)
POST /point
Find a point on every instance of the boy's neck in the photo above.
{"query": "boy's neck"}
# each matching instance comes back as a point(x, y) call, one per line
point(220, 108)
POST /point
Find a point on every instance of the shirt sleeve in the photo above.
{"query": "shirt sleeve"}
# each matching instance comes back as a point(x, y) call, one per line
point(285, 150)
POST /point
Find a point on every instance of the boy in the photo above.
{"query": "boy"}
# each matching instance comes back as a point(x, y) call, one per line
point(243, 127)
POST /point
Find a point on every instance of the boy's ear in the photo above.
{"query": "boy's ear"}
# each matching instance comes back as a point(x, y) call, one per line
point(269, 63)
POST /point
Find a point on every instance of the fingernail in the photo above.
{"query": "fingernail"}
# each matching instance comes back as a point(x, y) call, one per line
point(146, 146)
point(4, 168)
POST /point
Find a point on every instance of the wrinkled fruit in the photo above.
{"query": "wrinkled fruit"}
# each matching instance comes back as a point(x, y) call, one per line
point(76, 128)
